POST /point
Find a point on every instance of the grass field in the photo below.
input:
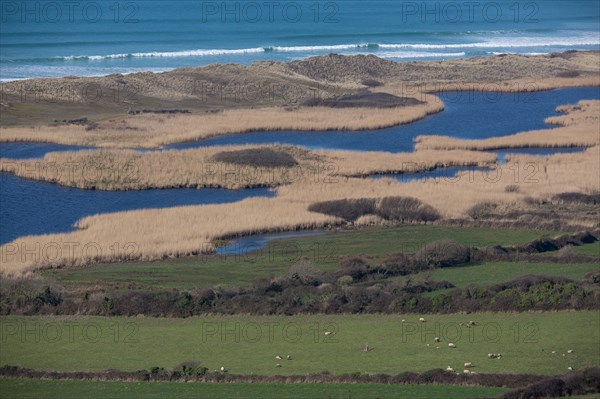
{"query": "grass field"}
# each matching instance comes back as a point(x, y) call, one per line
point(589, 249)
point(279, 255)
point(36, 389)
point(499, 272)
point(248, 345)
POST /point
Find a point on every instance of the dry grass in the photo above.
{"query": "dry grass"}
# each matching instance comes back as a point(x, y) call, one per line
point(153, 131)
point(181, 231)
point(579, 128)
point(131, 170)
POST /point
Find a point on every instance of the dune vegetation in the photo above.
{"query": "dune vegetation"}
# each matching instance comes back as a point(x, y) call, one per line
point(156, 130)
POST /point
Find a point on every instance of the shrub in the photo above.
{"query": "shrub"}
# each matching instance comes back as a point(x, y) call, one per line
point(347, 209)
point(511, 188)
point(191, 368)
point(444, 253)
point(371, 83)
point(353, 261)
point(305, 272)
point(577, 198)
point(345, 280)
point(482, 210)
point(265, 157)
point(402, 209)
point(568, 74)
point(406, 209)
point(47, 296)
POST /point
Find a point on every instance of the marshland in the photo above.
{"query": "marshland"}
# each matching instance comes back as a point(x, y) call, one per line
point(162, 221)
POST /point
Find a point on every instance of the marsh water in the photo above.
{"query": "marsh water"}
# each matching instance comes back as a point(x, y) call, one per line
point(33, 207)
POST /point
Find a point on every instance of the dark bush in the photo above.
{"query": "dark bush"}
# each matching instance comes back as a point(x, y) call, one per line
point(577, 198)
point(444, 253)
point(371, 83)
point(48, 297)
point(402, 209)
point(347, 209)
point(568, 74)
point(406, 209)
point(265, 157)
point(362, 99)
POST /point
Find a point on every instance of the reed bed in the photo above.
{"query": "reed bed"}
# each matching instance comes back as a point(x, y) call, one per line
point(182, 231)
point(156, 234)
point(154, 131)
point(578, 128)
point(197, 168)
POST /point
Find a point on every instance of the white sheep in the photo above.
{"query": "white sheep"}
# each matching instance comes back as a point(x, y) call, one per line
point(223, 369)
point(570, 351)
point(328, 333)
point(289, 357)
point(422, 319)
point(468, 364)
point(466, 371)
point(278, 357)
point(278, 365)
point(449, 368)
point(451, 345)
point(437, 339)
point(570, 368)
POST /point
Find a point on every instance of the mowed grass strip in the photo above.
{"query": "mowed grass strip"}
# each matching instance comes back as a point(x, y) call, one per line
point(248, 345)
point(67, 389)
point(277, 257)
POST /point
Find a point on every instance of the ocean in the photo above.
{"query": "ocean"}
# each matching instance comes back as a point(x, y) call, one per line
point(93, 38)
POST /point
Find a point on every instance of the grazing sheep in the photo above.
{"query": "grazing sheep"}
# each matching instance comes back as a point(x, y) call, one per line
point(403, 320)
point(491, 355)
point(570, 368)
point(422, 319)
point(289, 357)
point(451, 345)
point(328, 333)
point(278, 357)
point(553, 352)
point(468, 364)
point(494, 355)
point(570, 351)
point(449, 368)
point(278, 365)
point(223, 369)
point(471, 323)
point(437, 339)
point(466, 371)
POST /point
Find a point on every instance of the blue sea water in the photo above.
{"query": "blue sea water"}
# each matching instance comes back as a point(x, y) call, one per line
point(50, 38)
